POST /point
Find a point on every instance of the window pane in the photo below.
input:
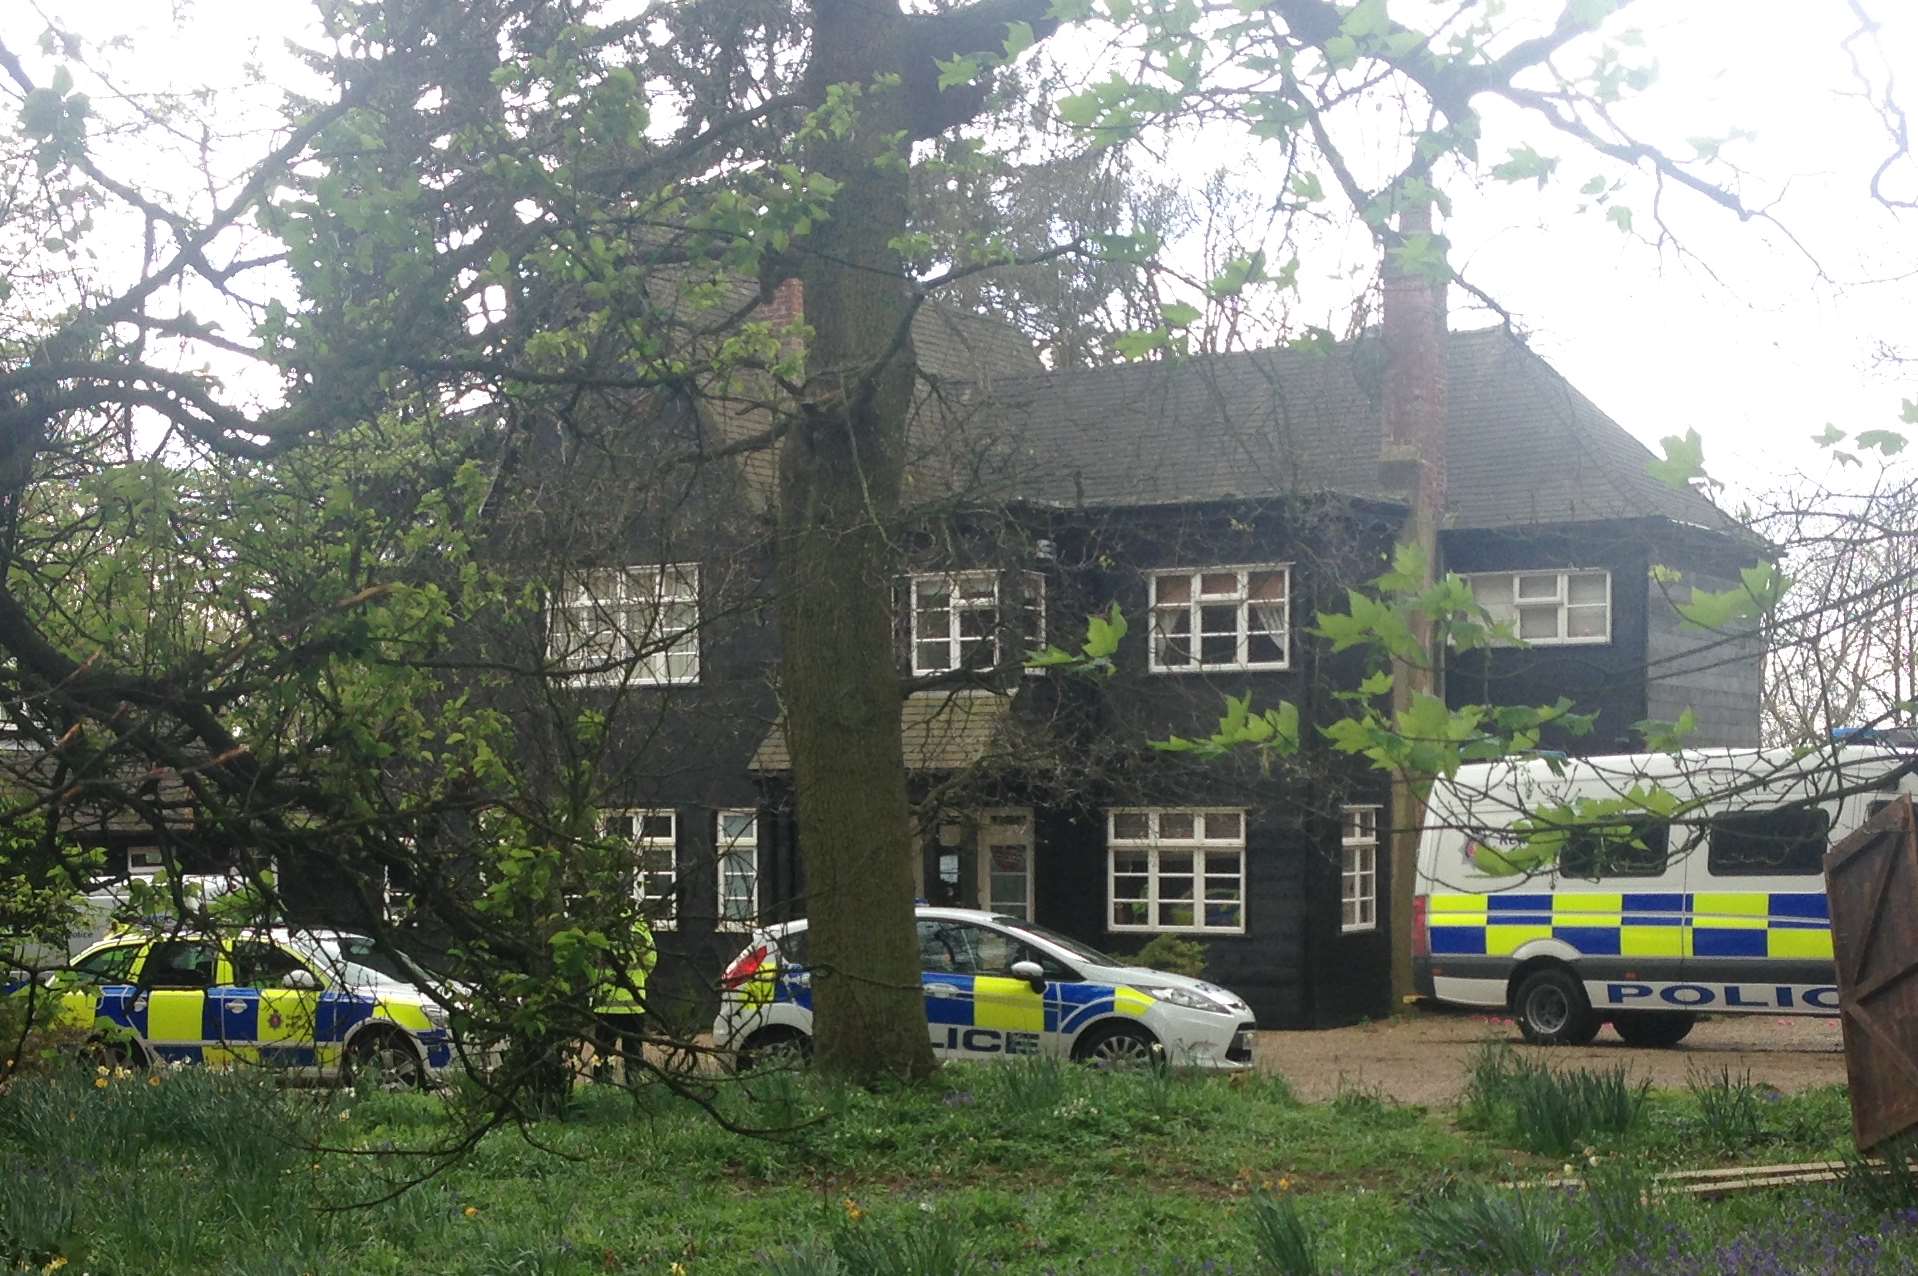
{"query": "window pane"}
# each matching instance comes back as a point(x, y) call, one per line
point(1219, 620)
point(1268, 586)
point(977, 622)
point(1129, 826)
point(1221, 826)
point(1129, 913)
point(1790, 842)
point(1177, 915)
point(1537, 622)
point(1225, 916)
point(1222, 862)
point(1172, 589)
point(656, 824)
point(178, 964)
point(932, 657)
point(737, 826)
point(1588, 587)
point(1264, 649)
point(1171, 637)
point(1585, 622)
point(1530, 587)
point(978, 588)
point(1219, 585)
point(1494, 593)
point(1176, 826)
point(1219, 649)
point(935, 624)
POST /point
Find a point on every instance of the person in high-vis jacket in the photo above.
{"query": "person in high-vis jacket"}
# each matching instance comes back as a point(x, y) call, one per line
point(619, 1005)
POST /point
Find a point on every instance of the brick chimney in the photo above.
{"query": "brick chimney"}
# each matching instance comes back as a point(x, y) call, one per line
point(1412, 458)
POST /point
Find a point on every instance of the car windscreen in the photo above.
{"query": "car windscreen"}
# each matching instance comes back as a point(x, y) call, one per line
point(1083, 952)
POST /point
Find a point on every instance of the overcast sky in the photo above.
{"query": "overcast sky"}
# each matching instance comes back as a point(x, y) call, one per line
point(1743, 336)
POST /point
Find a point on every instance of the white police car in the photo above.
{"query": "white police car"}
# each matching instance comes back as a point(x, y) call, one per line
point(999, 987)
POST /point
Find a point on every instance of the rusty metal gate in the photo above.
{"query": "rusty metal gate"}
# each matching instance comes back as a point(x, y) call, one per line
point(1871, 879)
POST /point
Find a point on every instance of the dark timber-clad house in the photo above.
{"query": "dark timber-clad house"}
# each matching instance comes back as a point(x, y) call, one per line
point(1220, 502)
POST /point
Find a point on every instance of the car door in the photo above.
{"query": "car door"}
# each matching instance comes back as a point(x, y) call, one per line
point(1004, 1005)
point(170, 1006)
point(267, 1019)
point(98, 986)
point(946, 964)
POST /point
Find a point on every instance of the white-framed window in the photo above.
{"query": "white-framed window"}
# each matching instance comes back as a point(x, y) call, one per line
point(959, 619)
point(1005, 862)
point(627, 624)
point(145, 861)
point(738, 845)
point(1221, 618)
point(1176, 870)
point(654, 837)
point(1550, 607)
point(1359, 868)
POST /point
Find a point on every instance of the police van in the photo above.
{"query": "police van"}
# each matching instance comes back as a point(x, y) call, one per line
point(998, 987)
point(1645, 921)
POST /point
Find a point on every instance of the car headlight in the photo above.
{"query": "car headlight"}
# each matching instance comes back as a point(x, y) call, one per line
point(1184, 998)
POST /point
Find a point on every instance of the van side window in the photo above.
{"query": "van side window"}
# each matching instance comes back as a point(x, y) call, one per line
point(1788, 842)
point(1622, 848)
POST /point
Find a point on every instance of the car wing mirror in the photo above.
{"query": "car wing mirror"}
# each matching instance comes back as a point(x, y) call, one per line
point(1031, 972)
point(302, 980)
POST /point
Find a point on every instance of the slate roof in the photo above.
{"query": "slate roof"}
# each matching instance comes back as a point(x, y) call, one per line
point(1523, 445)
point(943, 730)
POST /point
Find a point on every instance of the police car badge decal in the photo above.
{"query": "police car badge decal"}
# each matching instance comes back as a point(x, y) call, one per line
point(273, 1020)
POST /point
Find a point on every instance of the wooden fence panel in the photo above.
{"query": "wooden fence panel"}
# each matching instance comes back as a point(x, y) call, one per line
point(1871, 879)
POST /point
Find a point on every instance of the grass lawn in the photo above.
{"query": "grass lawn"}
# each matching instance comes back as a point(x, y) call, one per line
point(1031, 1168)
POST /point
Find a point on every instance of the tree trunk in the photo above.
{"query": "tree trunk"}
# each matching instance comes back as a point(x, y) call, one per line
point(1413, 466)
point(839, 486)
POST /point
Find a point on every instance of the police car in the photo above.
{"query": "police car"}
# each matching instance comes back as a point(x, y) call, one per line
point(309, 1003)
point(997, 987)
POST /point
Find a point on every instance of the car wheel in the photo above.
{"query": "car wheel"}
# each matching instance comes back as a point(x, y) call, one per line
point(1119, 1045)
point(1654, 1028)
point(386, 1060)
point(1552, 1011)
point(775, 1048)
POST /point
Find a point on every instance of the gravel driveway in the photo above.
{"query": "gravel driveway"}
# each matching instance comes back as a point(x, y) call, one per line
point(1421, 1057)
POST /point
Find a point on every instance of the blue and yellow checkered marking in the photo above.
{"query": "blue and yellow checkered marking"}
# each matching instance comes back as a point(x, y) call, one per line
point(988, 1001)
point(1770, 924)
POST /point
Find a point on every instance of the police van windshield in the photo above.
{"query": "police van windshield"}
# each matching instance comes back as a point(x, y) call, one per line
point(1084, 952)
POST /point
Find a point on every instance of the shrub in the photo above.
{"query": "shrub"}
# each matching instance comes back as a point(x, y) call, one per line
point(906, 1247)
point(1481, 1229)
point(1732, 1108)
point(1888, 1188)
point(1280, 1238)
point(809, 1259)
point(1556, 1113)
point(1617, 1191)
point(1488, 1085)
point(1174, 954)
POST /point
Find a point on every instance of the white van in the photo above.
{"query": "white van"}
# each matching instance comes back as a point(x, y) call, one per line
point(1652, 921)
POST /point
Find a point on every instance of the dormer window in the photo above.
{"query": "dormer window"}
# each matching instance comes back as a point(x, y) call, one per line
point(1221, 618)
point(971, 620)
point(1550, 608)
point(640, 625)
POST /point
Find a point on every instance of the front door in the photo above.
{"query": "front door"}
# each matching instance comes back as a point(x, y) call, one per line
point(1005, 863)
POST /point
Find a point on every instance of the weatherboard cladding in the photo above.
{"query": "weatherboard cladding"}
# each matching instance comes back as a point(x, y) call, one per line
point(1523, 446)
point(941, 730)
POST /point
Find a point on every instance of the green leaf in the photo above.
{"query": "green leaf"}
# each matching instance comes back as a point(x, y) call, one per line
point(62, 81)
point(1136, 345)
point(1594, 186)
point(1889, 442)
point(1684, 460)
point(1525, 164)
point(1366, 18)
point(1341, 51)
point(959, 71)
point(1619, 216)
point(1019, 38)
point(1831, 435)
point(1179, 314)
point(1307, 186)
